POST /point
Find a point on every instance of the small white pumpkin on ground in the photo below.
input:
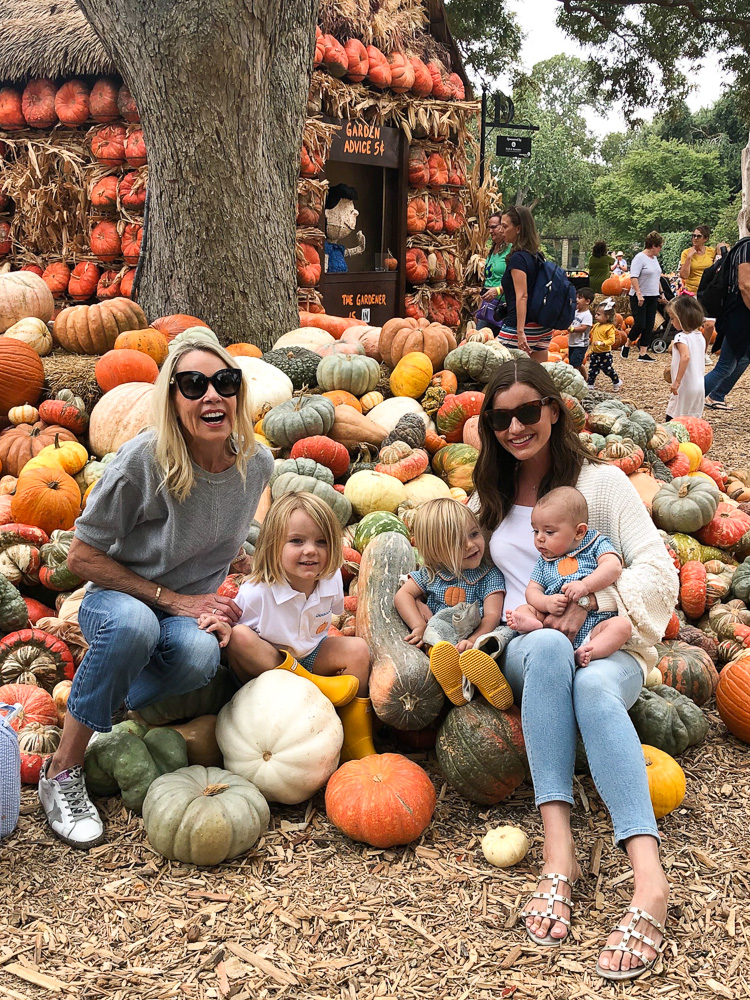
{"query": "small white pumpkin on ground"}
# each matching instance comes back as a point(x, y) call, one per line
point(34, 332)
point(505, 846)
point(267, 386)
point(280, 732)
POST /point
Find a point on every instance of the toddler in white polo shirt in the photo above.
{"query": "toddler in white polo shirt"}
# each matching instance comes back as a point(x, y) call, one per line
point(287, 605)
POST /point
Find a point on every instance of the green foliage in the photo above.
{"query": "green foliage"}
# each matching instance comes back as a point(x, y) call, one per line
point(726, 229)
point(488, 36)
point(674, 244)
point(663, 185)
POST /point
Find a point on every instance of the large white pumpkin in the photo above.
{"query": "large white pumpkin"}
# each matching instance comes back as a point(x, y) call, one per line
point(23, 293)
point(305, 336)
point(426, 487)
point(34, 332)
point(119, 415)
point(267, 386)
point(389, 412)
point(280, 732)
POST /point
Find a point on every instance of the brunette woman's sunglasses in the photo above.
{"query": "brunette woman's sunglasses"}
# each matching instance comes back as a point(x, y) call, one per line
point(528, 413)
point(193, 385)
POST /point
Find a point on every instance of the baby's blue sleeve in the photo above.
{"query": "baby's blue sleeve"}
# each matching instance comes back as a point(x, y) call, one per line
point(602, 546)
point(539, 572)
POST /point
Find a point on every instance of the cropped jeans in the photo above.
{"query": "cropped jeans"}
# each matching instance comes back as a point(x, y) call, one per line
point(136, 655)
point(727, 371)
point(556, 699)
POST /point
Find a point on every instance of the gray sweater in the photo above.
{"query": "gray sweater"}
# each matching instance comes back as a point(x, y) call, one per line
point(187, 546)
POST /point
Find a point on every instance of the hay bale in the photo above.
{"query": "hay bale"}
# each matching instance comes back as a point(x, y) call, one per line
point(72, 371)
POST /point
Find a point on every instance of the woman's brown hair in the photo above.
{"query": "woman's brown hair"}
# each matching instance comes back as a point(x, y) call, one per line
point(653, 239)
point(496, 471)
point(528, 238)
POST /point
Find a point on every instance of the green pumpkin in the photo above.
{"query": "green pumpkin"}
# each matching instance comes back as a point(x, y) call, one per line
point(723, 617)
point(365, 459)
point(302, 467)
point(374, 524)
point(686, 504)
point(130, 758)
point(639, 426)
point(455, 464)
point(593, 443)
point(741, 581)
point(298, 418)
point(667, 720)
point(680, 431)
point(55, 574)
point(481, 752)
point(604, 415)
point(207, 700)
point(299, 363)
point(475, 362)
point(688, 549)
point(204, 815)
point(566, 378)
point(251, 542)
point(688, 669)
point(92, 471)
point(349, 372)
point(291, 482)
point(658, 467)
point(14, 614)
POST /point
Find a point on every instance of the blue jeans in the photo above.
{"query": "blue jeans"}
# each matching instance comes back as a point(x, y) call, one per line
point(725, 374)
point(557, 698)
point(136, 655)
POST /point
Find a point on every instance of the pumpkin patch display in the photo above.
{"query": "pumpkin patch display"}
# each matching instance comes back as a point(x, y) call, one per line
point(21, 373)
point(31, 656)
point(733, 698)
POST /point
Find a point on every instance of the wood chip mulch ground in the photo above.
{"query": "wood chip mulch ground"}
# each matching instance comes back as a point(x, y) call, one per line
point(311, 915)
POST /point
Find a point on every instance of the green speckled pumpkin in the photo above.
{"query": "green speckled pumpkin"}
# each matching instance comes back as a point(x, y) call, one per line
point(298, 418)
point(639, 426)
point(291, 482)
point(593, 443)
point(741, 581)
point(566, 378)
point(455, 464)
point(13, 611)
point(685, 504)
point(687, 669)
point(604, 415)
point(666, 719)
point(375, 524)
point(301, 467)
point(299, 363)
point(474, 362)
point(350, 372)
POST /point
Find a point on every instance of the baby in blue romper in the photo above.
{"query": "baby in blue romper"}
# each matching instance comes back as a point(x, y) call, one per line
point(574, 563)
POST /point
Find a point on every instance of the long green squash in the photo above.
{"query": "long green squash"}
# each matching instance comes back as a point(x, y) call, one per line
point(404, 693)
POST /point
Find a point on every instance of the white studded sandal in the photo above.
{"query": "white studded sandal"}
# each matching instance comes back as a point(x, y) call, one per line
point(552, 897)
point(629, 933)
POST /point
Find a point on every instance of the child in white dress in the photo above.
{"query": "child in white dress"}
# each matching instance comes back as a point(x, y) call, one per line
point(688, 358)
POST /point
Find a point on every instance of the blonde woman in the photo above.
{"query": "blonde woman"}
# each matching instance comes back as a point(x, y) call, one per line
point(286, 610)
point(154, 543)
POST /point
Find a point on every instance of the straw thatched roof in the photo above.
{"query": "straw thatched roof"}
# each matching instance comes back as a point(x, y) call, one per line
point(48, 38)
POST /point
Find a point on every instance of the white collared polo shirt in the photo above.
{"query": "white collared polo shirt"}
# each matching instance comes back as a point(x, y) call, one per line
point(286, 618)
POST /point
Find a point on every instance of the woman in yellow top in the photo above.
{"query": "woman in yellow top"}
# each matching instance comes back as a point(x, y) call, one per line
point(695, 259)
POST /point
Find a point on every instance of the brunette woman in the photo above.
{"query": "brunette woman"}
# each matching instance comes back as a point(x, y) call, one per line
point(494, 269)
point(518, 282)
point(529, 447)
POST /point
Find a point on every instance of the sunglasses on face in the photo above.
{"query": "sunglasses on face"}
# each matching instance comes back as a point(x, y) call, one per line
point(527, 413)
point(697, 236)
point(193, 385)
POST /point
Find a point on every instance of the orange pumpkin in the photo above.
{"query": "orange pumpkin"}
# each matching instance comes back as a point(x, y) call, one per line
point(57, 278)
point(108, 286)
point(445, 380)
point(148, 341)
point(135, 148)
point(11, 110)
point(108, 145)
point(244, 351)
point(435, 222)
point(404, 336)
point(308, 265)
point(21, 443)
point(38, 104)
point(105, 241)
point(103, 100)
point(438, 170)
point(6, 240)
point(131, 242)
point(419, 171)
point(335, 59)
point(119, 366)
point(126, 105)
point(170, 326)
point(611, 286)
point(21, 374)
point(103, 194)
point(72, 103)
point(733, 697)
point(378, 72)
point(402, 73)
point(441, 87)
point(416, 215)
point(83, 281)
point(422, 86)
point(416, 266)
point(412, 309)
point(341, 397)
point(132, 191)
point(126, 283)
point(47, 498)
point(358, 63)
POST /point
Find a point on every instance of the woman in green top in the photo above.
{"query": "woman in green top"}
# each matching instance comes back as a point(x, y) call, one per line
point(494, 267)
point(600, 264)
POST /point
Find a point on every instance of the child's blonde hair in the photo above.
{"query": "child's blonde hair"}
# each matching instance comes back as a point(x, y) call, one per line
point(440, 528)
point(267, 558)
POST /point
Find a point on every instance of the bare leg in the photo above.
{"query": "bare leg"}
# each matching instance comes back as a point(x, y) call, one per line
point(606, 638)
point(651, 892)
point(75, 739)
point(524, 619)
point(559, 857)
point(345, 655)
point(539, 356)
point(249, 655)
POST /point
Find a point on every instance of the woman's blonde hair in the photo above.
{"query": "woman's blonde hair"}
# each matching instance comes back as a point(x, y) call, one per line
point(171, 450)
point(267, 557)
point(440, 528)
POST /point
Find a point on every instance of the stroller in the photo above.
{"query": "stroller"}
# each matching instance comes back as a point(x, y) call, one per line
point(664, 333)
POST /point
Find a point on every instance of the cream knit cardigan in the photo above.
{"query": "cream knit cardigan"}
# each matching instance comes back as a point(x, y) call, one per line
point(646, 591)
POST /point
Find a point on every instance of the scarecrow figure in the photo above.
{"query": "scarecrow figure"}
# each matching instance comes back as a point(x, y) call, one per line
point(341, 223)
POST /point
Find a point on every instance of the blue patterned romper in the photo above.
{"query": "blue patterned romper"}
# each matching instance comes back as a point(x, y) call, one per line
point(445, 591)
point(584, 560)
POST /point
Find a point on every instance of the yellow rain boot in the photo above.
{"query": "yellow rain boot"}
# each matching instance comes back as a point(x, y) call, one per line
point(445, 669)
point(356, 718)
point(339, 689)
point(486, 677)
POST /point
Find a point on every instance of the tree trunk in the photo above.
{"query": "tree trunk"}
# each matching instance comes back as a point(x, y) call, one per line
point(743, 219)
point(221, 87)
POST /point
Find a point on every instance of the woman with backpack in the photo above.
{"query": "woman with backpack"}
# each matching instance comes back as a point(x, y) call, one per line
point(732, 326)
point(519, 230)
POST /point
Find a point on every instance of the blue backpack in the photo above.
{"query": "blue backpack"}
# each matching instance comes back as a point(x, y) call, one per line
point(552, 301)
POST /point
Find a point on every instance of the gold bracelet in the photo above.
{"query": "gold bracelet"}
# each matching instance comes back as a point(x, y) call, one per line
point(156, 595)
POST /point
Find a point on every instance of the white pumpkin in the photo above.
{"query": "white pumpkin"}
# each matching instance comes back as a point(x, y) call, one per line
point(34, 332)
point(280, 732)
point(193, 333)
point(389, 412)
point(305, 336)
point(23, 293)
point(426, 487)
point(505, 846)
point(368, 491)
point(119, 415)
point(653, 678)
point(267, 386)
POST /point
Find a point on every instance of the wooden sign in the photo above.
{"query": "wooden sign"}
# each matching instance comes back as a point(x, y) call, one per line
point(359, 141)
point(370, 296)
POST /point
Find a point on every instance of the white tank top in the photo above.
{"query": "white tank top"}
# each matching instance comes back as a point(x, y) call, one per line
point(513, 551)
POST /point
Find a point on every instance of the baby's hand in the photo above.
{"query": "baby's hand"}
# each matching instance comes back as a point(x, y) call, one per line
point(221, 629)
point(575, 589)
point(557, 604)
point(414, 638)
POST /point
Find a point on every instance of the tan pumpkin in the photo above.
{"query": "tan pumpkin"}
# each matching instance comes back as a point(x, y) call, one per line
point(352, 429)
point(371, 399)
point(24, 414)
point(148, 341)
point(412, 375)
point(405, 336)
point(32, 331)
point(21, 374)
point(22, 294)
point(94, 329)
point(119, 415)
